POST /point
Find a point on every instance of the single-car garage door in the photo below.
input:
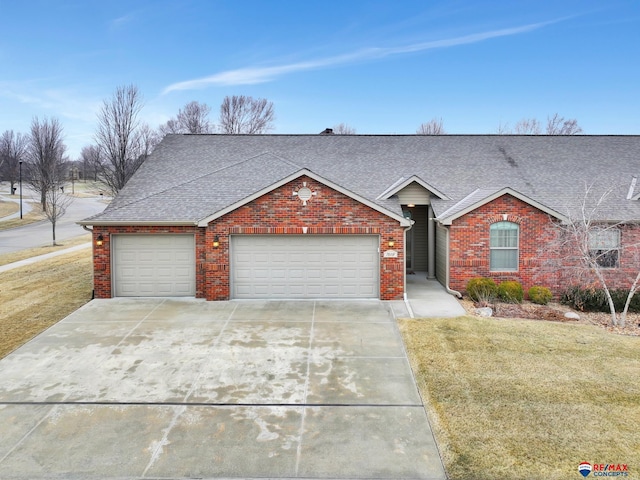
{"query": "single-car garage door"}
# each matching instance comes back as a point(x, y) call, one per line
point(304, 266)
point(154, 265)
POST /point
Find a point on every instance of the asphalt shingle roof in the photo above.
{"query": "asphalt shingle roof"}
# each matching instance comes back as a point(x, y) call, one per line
point(191, 177)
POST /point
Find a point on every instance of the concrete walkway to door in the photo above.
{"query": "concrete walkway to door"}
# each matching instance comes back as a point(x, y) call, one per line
point(429, 299)
point(181, 388)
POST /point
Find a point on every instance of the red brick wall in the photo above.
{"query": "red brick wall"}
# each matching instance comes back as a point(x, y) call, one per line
point(277, 212)
point(102, 254)
point(469, 244)
point(542, 261)
point(280, 212)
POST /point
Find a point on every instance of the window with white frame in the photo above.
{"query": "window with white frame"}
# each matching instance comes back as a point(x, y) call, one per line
point(503, 246)
point(604, 247)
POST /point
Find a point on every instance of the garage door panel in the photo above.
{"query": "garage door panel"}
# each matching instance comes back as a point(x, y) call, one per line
point(304, 266)
point(153, 265)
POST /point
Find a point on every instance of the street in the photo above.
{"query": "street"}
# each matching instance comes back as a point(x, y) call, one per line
point(40, 234)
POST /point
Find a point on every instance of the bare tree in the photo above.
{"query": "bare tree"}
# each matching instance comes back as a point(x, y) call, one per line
point(528, 126)
point(55, 207)
point(149, 139)
point(91, 161)
point(589, 247)
point(45, 153)
point(13, 150)
point(503, 129)
point(432, 127)
point(343, 129)
point(192, 118)
point(242, 114)
point(558, 125)
point(119, 138)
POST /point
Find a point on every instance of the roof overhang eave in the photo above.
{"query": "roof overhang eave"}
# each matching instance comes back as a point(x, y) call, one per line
point(137, 223)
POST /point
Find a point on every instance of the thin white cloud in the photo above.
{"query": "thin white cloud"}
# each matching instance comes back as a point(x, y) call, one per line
point(121, 21)
point(254, 75)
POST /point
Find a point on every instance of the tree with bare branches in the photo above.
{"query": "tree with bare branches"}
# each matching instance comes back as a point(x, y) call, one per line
point(91, 161)
point(588, 247)
point(119, 137)
point(46, 163)
point(243, 114)
point(343, 129)
point(13, 150)
point(556, 125)
point(432, 127)
point(192, 118)
point(528, 126)
point(56, 206)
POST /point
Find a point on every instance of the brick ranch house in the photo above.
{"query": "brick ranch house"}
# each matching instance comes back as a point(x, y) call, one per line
point(350, 216)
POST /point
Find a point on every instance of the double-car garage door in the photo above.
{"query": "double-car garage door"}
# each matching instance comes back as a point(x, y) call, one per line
point(262, 266)
point(304, 266)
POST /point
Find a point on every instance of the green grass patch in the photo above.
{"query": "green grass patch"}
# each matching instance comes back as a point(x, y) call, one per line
point(515, 399)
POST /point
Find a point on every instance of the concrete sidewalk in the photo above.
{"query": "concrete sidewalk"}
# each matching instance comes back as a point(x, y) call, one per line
point(29, 261)
point(429, 299)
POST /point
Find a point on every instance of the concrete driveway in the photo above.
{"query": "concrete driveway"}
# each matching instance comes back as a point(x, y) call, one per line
point(171, 388)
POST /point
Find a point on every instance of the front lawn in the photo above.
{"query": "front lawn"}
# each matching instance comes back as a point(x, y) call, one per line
point(34, 297)
point(516, 399)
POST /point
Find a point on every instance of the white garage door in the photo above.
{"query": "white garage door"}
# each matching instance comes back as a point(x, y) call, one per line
point(304, 266)
point(154, 265)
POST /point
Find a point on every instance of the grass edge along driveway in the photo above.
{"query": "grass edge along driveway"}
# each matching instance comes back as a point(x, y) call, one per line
point(520, 399)
point(36, 296)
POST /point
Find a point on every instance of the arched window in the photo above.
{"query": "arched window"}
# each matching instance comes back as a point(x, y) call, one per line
point(503, 245)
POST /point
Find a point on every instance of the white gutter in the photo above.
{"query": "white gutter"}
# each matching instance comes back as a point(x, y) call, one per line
point(404, 246)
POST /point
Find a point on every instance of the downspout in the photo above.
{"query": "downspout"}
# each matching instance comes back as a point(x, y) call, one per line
point(446, 285)
point(404, 258)
point(431, 244)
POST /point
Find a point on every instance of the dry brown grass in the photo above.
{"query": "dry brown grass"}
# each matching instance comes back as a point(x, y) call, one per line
point(34, 215)
point(514, 399)
point(8, 208)
point(34, 297)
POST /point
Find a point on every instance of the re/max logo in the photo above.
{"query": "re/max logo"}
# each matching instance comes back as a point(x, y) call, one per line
point(604, 469)
point(610, 467)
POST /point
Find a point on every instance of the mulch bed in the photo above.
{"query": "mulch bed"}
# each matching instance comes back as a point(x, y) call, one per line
point(554, 312)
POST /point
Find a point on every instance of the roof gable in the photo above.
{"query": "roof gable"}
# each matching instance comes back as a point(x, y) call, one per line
point(404, 182)
point(480, 197)
point(301, 173)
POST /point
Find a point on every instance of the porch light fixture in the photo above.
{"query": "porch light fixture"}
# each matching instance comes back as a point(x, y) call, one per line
point(99, 240)
point(411, 205)
point(391, 242)
point(216, 241)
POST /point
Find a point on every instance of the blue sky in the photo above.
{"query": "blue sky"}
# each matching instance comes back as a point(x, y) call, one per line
point(379, 66)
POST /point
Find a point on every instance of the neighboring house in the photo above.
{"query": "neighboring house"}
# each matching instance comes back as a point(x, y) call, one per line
point(349, 216)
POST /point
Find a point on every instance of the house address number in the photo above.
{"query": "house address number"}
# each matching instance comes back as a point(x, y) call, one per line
point(391, 254)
